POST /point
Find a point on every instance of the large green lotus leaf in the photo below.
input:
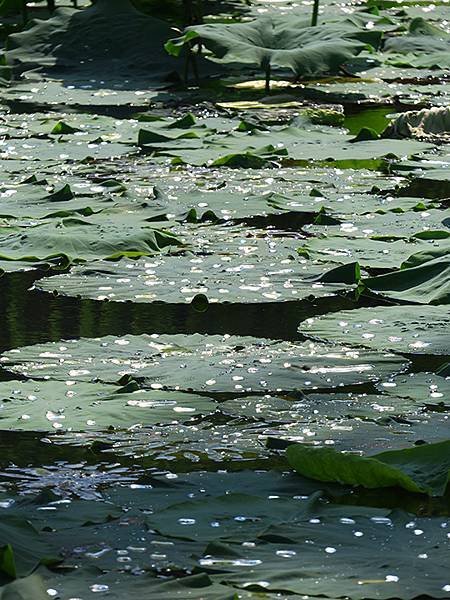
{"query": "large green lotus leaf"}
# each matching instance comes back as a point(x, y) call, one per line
point(22, 548)
point(229, 204)
point(319, 408)
point(72, 126)
point(226, 205)
point(345, 555)
point(46, 510)
point(202, 279)
point(39, 201)
point(413, 330)
point(55, 405)
point(34, 149)
point(84, 239)
point(428, 283)
point(280, 41)
point(424, 468)
point(199, 362)
point(237, 240)
point(426, 388)
point(208, 445)
point(370, 253)
point(146, 586)
point(367, 433)
point(45, 94)
point(239, 517)
point(289, 143)
point(425, 45)
point(425, 225)
point(287, 181)
point(372, 92)
point(24, 589)
point(241, 442)
point(102, 34)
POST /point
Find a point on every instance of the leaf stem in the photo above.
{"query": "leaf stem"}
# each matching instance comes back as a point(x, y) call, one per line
point(315, 13)
point(268, 75)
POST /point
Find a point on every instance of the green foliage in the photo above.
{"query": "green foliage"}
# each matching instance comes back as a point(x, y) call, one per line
point(423, 469)
point(280, 42)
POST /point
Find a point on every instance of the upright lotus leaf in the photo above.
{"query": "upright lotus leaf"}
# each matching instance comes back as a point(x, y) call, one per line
point(422, 469)
point(80, 406)
point(425, 46)
point(219, 279)
point(425, 124)
point(101, 34)
point(202, 363)
point(413, 330)
point(280, 42)
point(428, 283)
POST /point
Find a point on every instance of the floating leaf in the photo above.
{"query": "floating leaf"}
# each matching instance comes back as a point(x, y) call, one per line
point(182, 279)
point(412, 330)
point(79, 406)
point(199, 362)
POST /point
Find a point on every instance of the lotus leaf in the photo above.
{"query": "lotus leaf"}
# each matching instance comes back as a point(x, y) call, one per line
point(342, 562)
point(420, 387)
point(423, 225)
point(428, 283)
point(50, 406)
point(77, 239)
point(425, 46)
point(292, 143)
point(424, 469)
point(22, 549)
point(25, 588)
point(413, 331)
point(198, 362)
point(183, 279)
point(278, 41)
point(369, 253)
point(102, 35)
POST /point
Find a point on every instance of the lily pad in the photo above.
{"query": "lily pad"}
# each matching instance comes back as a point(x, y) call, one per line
point(426, 388)
point(83, 239)
point(370, 253)
point(198, 362)
point(79, 406)
point(190, 278)
point(424, 225)
point(412, 330)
